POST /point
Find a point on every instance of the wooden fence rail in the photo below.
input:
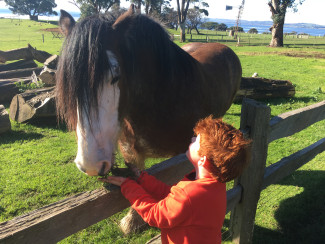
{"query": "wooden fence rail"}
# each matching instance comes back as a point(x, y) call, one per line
point(57, 221)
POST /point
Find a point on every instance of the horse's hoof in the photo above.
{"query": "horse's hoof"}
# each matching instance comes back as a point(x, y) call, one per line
point(132, 223)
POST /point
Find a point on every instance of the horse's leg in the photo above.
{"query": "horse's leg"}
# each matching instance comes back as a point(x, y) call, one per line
point(132, 222)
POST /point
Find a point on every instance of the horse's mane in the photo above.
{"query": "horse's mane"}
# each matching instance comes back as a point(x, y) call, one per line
point(82, 66)
point(150, 65)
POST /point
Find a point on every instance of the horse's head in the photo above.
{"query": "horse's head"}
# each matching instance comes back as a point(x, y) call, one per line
point(88, 91)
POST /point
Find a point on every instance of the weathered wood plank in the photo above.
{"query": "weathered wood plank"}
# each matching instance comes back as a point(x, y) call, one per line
point(255, 117)
point(288, 165)
point(233, 197)
point(8, 88)
point(21, 64)
point(289, 123)
point(19, 73)
point(262, 88)
point(54, 222)
point(33, 104)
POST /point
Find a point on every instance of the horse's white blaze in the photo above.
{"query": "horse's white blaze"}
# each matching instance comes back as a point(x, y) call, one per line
point(97, 140)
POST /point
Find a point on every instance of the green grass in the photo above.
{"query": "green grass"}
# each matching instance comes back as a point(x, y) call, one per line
point(36, 161)
point(18, 33)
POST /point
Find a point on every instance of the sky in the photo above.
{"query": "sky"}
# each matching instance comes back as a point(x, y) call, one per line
point(311, 11)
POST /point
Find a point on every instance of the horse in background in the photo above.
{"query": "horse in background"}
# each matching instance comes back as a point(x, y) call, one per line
point(124, 82)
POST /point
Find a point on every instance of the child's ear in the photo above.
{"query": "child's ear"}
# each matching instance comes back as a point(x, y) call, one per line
point(203, 161)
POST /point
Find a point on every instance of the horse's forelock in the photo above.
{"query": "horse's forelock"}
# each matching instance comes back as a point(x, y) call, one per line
point(82, 68)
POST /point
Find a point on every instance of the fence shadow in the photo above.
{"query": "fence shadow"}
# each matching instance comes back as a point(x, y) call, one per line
point(301, 218)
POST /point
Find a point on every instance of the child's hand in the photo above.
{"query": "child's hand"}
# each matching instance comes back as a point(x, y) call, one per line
point(115, 180)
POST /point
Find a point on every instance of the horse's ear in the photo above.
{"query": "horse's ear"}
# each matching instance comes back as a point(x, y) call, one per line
point(66, 22)
point(130, 11)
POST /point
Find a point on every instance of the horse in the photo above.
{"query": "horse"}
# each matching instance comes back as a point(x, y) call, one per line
point(123, 82)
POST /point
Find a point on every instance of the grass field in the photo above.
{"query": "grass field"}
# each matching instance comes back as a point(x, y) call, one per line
point(36, 161)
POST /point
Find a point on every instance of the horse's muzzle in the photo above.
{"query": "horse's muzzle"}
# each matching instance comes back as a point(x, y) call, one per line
point(102, 168)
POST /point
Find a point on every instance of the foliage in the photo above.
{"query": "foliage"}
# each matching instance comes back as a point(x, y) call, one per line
point(253, 31)
point(240, 29)
point(154, 7)
point(29, 86)
point(194, 19)
point(169, 17)
point(221, 27)
point(90, 7)
point(209, 25)
point(33, 8)
point(182, 11)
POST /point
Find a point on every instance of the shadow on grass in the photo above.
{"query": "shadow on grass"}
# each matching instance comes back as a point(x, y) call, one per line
point(48, 123)
point(13, 136)
point(301, 218)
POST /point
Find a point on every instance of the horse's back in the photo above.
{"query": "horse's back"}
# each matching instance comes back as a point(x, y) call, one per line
point(222, 72)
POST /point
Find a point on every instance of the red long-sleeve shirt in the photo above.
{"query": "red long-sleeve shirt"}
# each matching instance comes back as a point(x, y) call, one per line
point(192, 211)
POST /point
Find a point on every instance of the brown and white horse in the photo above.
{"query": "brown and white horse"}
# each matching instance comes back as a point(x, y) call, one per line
point(125, 82)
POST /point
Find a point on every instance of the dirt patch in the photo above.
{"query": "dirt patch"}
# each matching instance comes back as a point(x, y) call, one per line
point(304, 54)
point(52, 29)
point(317, 55)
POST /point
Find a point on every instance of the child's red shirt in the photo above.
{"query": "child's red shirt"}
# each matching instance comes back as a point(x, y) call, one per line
point(192, 211)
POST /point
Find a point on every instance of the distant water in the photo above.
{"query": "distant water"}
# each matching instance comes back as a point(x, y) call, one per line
point(261, 26)
point(264, 26)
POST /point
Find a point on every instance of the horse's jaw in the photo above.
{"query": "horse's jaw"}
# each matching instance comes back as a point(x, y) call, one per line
point(97, 140)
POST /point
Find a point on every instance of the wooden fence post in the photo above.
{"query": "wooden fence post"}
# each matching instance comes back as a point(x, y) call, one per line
point(255, 118)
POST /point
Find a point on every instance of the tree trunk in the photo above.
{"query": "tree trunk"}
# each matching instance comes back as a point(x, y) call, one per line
point(4, 120)
point(8, 89)
point(183, 32)
point(278, 11)
point(197, 30)
point(33, 17)
point(22, 64)
point(181, 13)
point(33, 104)
point(261, 88)
point(24, 53)
point(277, 35)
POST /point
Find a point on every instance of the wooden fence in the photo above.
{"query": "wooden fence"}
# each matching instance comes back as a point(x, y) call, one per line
point(59, 220)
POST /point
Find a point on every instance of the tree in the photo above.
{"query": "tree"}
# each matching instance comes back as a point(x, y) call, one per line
point(240, 29)
point(169, 17)
point(221, 27)
point(33, 8)
point(155, 6)
point(194, 19)
point(90, 7)
point(253, 31)
point(182, 13)
point(278, 9)
point(209, 25)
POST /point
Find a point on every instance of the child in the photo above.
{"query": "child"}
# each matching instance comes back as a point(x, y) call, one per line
point(192, 211)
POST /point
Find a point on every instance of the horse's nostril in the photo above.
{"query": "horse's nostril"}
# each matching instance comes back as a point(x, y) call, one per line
point(104, 169)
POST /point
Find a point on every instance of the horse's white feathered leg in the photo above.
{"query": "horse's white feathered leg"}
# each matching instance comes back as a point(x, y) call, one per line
point(132, 223)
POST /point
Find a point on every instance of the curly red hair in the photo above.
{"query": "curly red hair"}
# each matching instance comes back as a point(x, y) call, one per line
point(225, 147)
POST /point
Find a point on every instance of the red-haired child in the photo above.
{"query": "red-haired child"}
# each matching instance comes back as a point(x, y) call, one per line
point(192, 211)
